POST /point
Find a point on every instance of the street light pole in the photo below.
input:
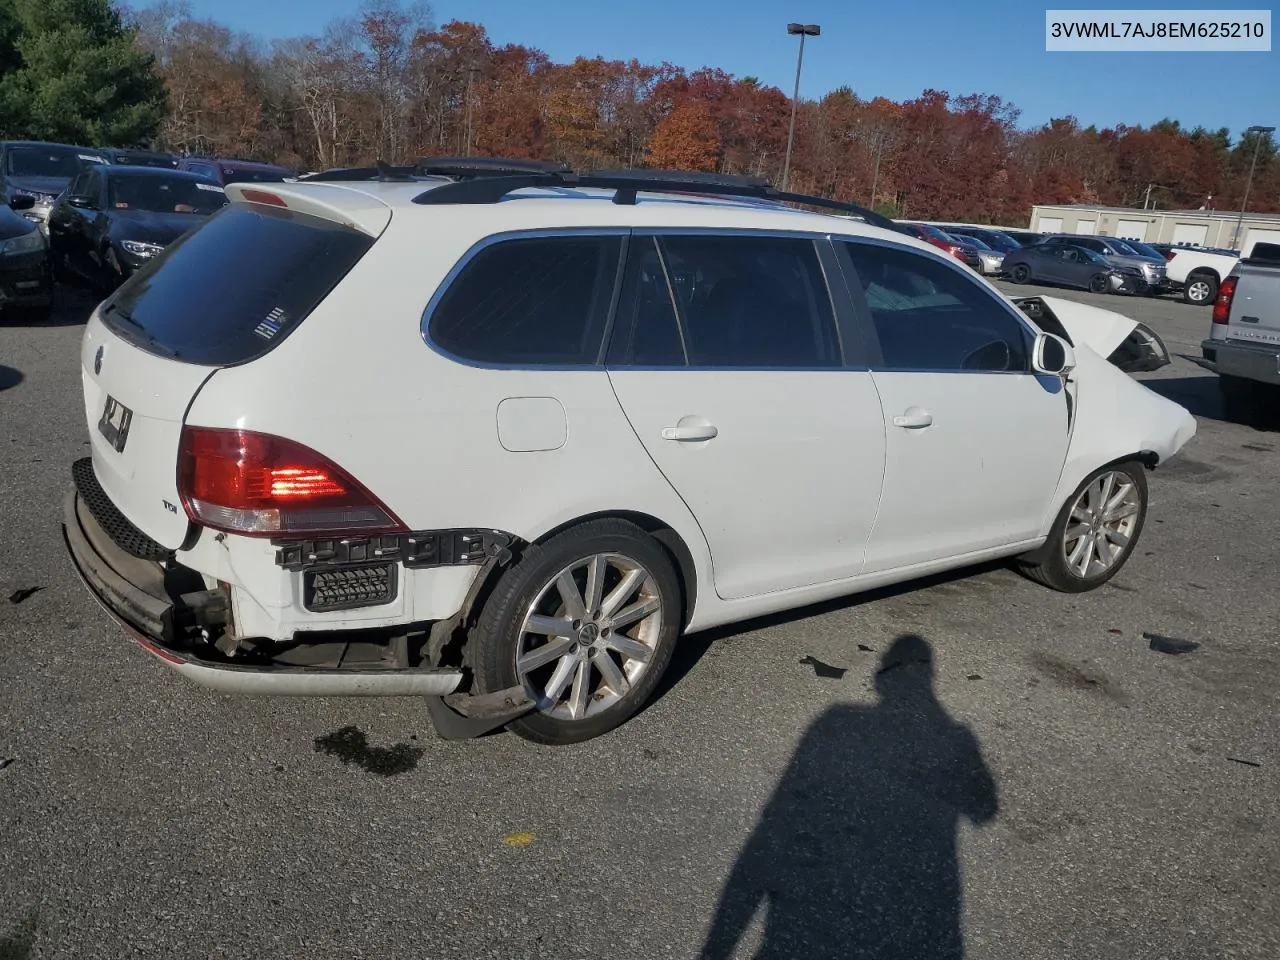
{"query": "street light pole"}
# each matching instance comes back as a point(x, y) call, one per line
point(1260, 132)
point(804, 30)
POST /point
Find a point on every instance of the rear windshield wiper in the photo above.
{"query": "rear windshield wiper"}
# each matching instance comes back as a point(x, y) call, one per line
point(143, 332)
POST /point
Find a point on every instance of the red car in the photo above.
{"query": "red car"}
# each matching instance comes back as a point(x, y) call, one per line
point(965, 253)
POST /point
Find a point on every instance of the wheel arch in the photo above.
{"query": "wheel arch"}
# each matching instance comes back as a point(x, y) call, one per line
point(661, 531)
point(1202, 272)
point(666, 536)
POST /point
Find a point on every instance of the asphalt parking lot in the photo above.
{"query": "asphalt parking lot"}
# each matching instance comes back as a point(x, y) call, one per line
point(1047, 786)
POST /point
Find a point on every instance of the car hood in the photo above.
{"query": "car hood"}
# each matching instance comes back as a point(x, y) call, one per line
point(14, 224)
point(1132, 346)
point(1120, 260)
point(49, 185)
point(162, 228)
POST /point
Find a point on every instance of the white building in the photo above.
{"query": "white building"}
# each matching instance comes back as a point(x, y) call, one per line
point(1190, 228)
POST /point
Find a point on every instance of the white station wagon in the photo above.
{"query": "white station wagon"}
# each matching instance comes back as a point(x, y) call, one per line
point(498, 434)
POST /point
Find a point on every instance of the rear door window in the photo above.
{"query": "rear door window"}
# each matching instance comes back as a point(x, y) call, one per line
point(751, 301)
point(229, 290)
point(530, 300)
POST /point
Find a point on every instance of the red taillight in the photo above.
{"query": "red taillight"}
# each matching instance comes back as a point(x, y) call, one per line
point(262, 196)
point(1222, 306)
point(260, 485)
point(1170, 254)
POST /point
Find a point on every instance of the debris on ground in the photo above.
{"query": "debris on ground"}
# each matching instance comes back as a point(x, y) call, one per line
point(974, 676)
point(19, 595)
point(1247, 763)
point(865, 649)
point(1170, 645)
point(824, 670)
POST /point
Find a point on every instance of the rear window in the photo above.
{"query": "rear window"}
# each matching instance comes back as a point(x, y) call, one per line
point(230, 289)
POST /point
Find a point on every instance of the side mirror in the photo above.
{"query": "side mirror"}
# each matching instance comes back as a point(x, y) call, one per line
point(21, 201)
point(1053, 356)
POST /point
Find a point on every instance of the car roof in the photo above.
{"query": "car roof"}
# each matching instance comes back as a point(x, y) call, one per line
point(114, 169)
point(551, 207)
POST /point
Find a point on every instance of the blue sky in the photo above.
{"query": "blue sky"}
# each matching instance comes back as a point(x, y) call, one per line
point(892, 49)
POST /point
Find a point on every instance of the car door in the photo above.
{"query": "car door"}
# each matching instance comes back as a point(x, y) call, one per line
point(727, 360)
point(84, 211)
point(62, 221)
point(975, 440)
point(1074, 268)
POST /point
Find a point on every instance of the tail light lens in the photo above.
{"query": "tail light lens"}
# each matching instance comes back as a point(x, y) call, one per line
point(260, 485)
point(1169, 255)
point(1222, 306)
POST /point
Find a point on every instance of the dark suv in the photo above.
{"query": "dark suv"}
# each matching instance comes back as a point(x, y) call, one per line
point(30, 168)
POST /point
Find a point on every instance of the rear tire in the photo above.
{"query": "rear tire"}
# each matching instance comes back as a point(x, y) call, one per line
point(1200, 288)
point(605, 662)
point(1095, 533)
point(1020, 274)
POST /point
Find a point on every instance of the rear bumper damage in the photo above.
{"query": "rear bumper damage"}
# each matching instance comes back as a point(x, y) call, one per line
point(170, 613)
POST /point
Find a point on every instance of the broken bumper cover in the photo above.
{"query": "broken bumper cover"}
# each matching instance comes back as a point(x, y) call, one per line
point(133, 591)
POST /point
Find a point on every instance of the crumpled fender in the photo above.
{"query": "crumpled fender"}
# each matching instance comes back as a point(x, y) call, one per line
point(1115, 417)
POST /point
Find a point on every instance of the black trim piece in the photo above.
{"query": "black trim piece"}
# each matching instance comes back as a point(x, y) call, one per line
point(342, 587)
point(429, 548)
point(113, 523)
point(626, 184)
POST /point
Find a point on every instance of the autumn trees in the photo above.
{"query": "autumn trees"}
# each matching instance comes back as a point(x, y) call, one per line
point(388, 83)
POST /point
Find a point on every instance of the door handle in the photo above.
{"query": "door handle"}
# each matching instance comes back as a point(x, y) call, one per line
point(913, 419)
point(701, 432)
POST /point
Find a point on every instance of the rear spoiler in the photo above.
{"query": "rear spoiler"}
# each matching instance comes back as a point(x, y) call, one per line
point(351, 208)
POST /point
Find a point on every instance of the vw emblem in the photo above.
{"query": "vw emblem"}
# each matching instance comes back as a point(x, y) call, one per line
point(97, 362)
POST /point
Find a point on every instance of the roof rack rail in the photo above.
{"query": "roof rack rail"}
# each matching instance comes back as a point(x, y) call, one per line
point(485, 166)
point(627, 183)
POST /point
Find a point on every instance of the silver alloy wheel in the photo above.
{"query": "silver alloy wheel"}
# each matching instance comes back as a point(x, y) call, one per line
point(1198, 291)
point(1101, 524)
point(589, 635)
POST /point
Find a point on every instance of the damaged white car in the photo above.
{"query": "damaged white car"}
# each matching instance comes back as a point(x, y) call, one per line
point(497, 434)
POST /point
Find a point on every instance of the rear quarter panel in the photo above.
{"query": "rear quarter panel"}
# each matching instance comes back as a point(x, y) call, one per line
point(357, 382)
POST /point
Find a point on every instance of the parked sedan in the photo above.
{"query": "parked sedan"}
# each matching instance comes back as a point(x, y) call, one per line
point(965, 252)
point(1070, 266)
point(990, 260)
point(113, 219)
point(25, 279)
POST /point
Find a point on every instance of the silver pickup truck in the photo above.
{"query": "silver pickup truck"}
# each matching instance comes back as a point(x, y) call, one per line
point(1244, 340)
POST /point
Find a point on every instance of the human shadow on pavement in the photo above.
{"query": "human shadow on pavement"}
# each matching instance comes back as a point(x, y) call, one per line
point(855, 854)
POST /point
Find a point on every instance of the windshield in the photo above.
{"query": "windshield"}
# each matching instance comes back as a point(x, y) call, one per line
point(229, 290)
point(1123, 248)
point(64, 162)
point(1003, 242)
point(161, 194)
point(1144, 250)
point(931, 232)
point(975, 241)
point(233, 175)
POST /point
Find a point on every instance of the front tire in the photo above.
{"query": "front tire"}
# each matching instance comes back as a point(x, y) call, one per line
point(586, 623)
point(1096, 531)
point(1100, 283)
point(1021, 273)
point(1200, 289)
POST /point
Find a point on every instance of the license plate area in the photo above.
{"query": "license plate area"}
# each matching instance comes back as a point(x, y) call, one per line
point(114, 424)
